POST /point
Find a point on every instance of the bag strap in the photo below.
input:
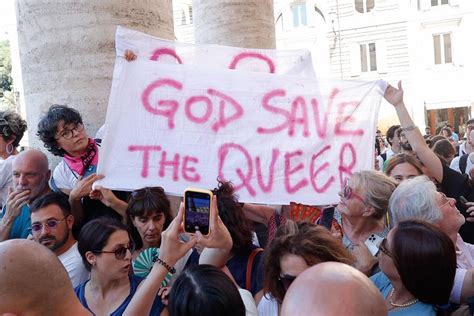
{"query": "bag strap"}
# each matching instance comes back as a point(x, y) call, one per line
point(463, 163)
point(248, 273)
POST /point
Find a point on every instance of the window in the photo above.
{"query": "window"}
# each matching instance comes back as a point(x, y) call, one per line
point(190, 14)
point(368, 57)
point(299, 15)
point(364, 6)
point(435, 3)
point(442, 49)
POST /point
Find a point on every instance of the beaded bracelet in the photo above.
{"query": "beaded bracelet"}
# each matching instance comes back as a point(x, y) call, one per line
point(170, 269)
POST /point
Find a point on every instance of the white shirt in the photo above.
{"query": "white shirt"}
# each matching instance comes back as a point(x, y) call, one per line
point(389, 154)
point(268, 306)
point(469, 163)
point(74, 266)
point(249, 302)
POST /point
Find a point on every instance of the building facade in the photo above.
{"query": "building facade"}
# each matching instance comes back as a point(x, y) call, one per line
point(425, 43)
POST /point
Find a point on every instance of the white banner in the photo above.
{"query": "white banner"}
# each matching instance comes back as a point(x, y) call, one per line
point(146, 47)
point(278, 138)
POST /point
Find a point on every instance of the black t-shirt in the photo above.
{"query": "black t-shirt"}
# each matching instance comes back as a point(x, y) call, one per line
point(456, 185)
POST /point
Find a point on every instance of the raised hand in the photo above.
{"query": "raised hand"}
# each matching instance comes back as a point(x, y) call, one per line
point(393, 95)
point(172, 248)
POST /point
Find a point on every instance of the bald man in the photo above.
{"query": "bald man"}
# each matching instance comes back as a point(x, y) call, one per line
point(333, 289)
point(33, 282)
point(31, 174)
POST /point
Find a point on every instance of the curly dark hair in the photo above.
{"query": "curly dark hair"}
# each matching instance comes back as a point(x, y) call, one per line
point(313, 243)
point(12, 125)
point(232, 215)
point(143, 202)
point(48, 126)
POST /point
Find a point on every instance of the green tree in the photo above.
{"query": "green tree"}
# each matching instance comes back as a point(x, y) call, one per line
point(6, 80)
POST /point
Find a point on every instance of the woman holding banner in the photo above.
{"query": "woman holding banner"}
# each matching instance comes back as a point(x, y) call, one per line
point(62, 131)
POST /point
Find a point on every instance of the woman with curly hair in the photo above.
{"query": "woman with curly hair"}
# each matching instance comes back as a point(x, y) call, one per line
point(296, 247)
point(12, 128)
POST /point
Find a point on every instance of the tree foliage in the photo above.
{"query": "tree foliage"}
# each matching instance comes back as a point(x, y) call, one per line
point(6, 80)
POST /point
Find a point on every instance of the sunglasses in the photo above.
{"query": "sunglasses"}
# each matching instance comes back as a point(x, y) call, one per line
point(348, 193)
point(121, 252)
point(286, 281)
point(50, 223)
point(144, 192)
point(383, 248)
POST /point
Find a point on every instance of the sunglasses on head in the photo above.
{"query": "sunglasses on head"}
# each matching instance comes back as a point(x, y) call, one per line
point(349, 193)
point(121, 252)
point(50, 223)
point(142, 193)
point(286, 281)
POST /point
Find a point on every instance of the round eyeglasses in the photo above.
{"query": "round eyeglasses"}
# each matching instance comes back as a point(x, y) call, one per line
point(69, 133)
point(50, 223)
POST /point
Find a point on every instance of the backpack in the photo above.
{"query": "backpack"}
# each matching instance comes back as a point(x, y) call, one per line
point(463, 163)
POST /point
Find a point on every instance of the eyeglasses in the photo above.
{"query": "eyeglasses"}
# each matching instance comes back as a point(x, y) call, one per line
point(348, 193)
point(50, 223)
point(444, 200)
point(286, 281)
point(121, 252)
point(68, 133)
point(383, 248)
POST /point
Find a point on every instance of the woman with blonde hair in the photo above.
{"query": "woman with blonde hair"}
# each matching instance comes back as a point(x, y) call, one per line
point(363, 214)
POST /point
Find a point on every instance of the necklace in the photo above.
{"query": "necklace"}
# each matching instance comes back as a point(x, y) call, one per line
point(409, 303)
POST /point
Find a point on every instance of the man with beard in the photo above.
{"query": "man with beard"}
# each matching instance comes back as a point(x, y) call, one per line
point(30, 174)
point(51, 226)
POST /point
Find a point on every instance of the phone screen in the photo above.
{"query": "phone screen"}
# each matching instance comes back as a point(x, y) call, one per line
point(197, 211)
point(326, 217)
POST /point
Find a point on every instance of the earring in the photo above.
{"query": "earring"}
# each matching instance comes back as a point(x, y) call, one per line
point(9, 148)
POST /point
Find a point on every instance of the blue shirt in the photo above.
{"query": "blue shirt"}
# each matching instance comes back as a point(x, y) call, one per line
point(418, 309)
point(21, 227)
point(134, 282)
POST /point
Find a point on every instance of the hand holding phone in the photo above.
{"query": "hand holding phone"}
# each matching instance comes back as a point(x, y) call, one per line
point(469, 208)
point(373, 243)
point(197, 210)
point(327, 215)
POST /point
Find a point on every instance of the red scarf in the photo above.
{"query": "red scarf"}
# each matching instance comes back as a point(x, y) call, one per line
point(80, 164)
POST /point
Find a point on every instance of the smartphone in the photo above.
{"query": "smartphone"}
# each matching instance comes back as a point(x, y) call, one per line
point(327, 215)
point(373, 243)
point(463, 201)
point(197, 210)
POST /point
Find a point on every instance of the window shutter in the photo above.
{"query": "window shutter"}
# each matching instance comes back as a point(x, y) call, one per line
point(355, 59)
point(381, 51)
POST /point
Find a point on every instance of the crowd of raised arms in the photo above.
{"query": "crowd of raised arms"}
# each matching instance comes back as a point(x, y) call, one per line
point(400, 242)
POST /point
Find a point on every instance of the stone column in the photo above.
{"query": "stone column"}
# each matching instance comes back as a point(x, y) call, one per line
point(242, 23)
point(67, 52)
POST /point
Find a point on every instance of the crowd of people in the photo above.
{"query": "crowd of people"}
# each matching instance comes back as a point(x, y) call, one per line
point(401, 240)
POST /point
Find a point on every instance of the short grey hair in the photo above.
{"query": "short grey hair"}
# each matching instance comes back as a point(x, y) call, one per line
point(376, 188)
point(415, 199)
